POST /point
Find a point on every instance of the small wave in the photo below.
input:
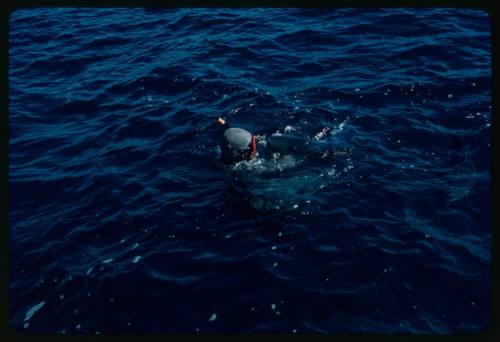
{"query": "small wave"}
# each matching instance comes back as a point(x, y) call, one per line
point(105, 43)
point(65, 65)
point(308, 38)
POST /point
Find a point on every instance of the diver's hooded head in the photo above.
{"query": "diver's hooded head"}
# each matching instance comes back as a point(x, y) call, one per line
point(237, 144)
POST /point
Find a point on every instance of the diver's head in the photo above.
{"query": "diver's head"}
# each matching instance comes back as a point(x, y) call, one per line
point(238, 144)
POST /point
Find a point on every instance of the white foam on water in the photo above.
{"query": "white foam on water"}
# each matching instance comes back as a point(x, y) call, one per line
point(213, 317)
point(339, 128)
point(26, 325)
point(260, 165)
point(332, 172)
point(135, 246)
point(321, 134)
point(33, 310)
point(136, 259)
point(273, 306)
point(90, 270)
point(107, 261)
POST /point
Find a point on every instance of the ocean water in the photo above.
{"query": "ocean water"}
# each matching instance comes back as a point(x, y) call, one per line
point(122, 217)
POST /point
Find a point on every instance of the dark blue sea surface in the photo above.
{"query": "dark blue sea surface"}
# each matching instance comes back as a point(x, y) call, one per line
point(123, 218)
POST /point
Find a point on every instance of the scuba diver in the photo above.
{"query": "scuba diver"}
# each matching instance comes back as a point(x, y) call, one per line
point(239, 144)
